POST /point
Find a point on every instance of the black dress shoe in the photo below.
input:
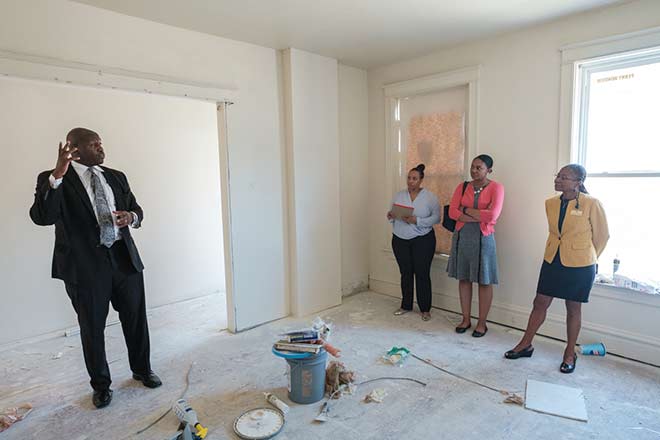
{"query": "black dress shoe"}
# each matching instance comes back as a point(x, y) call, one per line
point(149, 380)
point(478, 334)
point(568, 368)
point(524, 353)
point(462, 329)
point(102, 398)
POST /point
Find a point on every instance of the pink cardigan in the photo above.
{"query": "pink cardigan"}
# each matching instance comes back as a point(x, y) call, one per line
point(490, 205)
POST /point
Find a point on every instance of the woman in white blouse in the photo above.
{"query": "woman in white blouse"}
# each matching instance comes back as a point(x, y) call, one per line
point(413, 241)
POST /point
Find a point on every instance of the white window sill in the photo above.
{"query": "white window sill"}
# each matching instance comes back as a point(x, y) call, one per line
point(602, 290)
point(611, 291)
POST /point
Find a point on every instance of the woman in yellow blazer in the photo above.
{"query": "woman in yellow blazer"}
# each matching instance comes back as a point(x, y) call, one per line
point(577, 236)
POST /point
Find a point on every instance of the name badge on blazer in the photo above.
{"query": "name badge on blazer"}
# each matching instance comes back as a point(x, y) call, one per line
point(576, 212)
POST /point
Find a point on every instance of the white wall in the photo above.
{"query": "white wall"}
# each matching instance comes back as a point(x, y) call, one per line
point(354, 178)
point(518, 125)
point(168, 148)
point(311, 101)
point(75, 32)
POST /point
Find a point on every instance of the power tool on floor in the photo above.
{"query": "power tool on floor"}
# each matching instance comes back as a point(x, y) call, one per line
point(188, 418)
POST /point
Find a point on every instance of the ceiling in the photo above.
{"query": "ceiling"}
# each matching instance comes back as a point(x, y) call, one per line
point(361, 33)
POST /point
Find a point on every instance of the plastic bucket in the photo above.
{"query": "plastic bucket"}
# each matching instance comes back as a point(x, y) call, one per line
point(597, 349)
point(307, 378)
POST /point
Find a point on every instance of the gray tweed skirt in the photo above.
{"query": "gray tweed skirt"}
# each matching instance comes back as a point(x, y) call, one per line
point(473, 257)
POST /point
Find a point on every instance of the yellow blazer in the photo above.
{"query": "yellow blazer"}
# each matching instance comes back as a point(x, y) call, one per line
point(584, 232)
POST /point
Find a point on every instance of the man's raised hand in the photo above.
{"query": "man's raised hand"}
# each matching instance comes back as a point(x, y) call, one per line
point(65, 156)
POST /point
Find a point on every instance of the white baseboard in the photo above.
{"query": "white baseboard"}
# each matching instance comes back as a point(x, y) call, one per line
point(645, 348)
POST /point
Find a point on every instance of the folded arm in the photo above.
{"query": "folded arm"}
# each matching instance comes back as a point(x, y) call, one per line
point(455, 211)
point(494, 209)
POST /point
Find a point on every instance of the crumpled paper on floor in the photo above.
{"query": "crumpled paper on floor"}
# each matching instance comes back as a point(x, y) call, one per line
point(336, 376)
point(513, 398)
point(376, 396)
point(9, 416)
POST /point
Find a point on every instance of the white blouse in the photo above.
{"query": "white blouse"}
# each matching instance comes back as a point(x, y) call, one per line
point(426, 209)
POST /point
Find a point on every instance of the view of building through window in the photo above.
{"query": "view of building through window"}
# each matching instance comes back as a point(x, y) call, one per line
point(620, 148)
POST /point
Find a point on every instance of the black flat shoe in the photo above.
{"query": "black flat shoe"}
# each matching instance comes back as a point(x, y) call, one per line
point(477, 334)
point(568, 368)
point(102, 398)
point(462, 329)
point(524, 353)
point(149, 380)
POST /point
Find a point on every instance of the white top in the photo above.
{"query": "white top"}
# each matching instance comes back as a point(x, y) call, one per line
point(426, 209)
point(84, 172)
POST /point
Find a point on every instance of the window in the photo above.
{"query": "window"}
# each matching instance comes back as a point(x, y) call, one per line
point(616, 114)
point(430, 120)
point(431, 130)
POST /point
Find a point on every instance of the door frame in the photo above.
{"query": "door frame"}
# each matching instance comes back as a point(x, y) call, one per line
point(55, 70)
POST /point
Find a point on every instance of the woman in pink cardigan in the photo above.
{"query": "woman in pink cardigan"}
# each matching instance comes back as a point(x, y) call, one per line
point(475, 206)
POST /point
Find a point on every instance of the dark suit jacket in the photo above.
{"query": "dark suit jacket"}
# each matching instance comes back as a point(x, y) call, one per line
point(79, 257)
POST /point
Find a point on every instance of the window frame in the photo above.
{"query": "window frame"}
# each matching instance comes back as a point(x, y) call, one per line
point(584, 70)
point(573, 57)
point(395, 157)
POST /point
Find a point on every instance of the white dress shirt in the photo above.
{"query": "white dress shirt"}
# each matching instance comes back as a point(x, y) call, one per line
point(84, 172)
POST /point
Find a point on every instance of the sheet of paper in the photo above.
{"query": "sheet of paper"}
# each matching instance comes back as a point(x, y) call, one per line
point(400, 211)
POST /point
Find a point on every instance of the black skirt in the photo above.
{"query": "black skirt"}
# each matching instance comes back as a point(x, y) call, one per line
point(571, 283)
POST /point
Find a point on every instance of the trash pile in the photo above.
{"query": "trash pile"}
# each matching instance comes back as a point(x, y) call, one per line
point(338, 380)
point(10, 416)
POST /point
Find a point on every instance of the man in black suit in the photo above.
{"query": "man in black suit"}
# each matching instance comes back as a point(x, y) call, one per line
point(92, 208)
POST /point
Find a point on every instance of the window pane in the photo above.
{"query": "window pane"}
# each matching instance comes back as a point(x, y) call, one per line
point(632, 213)
point(434, 134)
point(436, 140)
point(622, 130)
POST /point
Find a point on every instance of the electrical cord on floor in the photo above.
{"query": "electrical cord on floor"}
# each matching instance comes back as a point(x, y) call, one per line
point(185, 390)
point(326, 406)
point(391, 378)
point(511, 396)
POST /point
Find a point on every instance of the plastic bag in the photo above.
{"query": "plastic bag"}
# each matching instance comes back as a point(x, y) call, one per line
point(396, 356)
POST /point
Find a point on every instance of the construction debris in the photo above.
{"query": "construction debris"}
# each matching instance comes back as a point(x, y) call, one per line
point(334, 351)
point(337, 375)
point(325, 408)
point(10, 416)
point(308, 340)
point(556, 400)
point(323, 415)
point(396, 356)
point(376, 396)
point(277, 403)
point(513, 398)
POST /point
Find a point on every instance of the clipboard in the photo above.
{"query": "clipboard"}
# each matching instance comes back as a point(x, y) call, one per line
point(401, 211)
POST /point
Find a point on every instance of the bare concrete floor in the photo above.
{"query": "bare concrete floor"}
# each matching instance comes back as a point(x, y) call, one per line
point(230, 373)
